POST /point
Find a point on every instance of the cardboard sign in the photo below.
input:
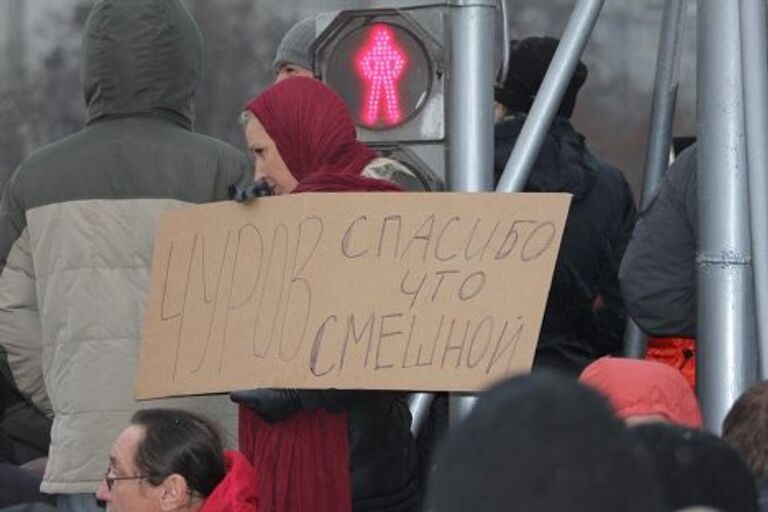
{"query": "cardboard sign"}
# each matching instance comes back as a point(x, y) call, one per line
point(411, 291)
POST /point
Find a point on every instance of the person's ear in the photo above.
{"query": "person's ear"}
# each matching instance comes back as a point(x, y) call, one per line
point(174, 493)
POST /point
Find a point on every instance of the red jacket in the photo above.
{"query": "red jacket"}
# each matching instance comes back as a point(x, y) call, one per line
point(237, 492)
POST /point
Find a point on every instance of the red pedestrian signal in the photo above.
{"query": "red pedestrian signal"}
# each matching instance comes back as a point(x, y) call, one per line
point(382, 72)
point(388, 65)
point(380, 64)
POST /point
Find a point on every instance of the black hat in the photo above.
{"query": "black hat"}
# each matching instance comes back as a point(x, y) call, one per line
point(528, 62)
point(696, 468)
point(542, 443)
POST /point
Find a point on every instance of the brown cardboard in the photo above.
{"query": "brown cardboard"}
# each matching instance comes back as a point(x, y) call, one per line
point(413, 291)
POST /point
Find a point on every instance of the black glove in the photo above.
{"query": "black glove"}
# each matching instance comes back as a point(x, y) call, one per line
point(271, 404)
point(259, 188)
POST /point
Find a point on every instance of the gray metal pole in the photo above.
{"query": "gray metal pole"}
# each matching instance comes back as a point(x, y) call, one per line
point(470, 110)
point(470, 114)
point(550, 94)
point(660, 129)
point(755, 84)
point(634, 340)
point(664, 98)
point(726, 346)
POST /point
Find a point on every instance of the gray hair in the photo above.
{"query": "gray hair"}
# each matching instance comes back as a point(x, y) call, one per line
point(244, 117)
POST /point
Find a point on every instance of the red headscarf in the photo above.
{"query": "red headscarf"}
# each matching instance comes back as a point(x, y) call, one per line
point(636, 387)
point(315, 136)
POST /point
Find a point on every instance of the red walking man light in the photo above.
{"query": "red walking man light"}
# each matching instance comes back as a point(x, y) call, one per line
point(381, 63)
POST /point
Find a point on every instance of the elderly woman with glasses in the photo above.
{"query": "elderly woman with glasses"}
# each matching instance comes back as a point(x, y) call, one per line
point(172, 460)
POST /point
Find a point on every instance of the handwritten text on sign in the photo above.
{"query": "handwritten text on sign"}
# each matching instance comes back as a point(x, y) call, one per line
point(358, 291)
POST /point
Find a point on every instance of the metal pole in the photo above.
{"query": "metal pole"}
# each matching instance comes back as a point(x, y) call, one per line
point(660, 129)
point(726, 345)
point(634, 340)
point(755, 84)
point(550, 94)
point(470, 111)
point(470, 114)
point(664, 98)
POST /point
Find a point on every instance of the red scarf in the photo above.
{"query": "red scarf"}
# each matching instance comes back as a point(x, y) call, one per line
point(315, 136)
point(303, 462)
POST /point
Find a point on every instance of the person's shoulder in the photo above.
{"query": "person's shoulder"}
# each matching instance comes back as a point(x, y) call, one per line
point(217, 146)
point(48, 155)
point(392, 170)
point(610, 175)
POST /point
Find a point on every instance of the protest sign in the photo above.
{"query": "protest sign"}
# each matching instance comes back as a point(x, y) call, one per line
point(413, 291)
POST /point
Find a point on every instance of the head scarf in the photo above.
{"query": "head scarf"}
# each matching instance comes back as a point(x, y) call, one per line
point(315, 136)
point(636, 387)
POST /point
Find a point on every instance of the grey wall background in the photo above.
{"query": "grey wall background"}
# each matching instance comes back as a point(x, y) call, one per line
point(41, 99)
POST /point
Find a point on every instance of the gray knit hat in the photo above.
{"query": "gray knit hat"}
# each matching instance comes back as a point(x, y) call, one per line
point(295, 46)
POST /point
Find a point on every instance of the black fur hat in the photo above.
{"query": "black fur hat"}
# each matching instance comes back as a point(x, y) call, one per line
point(542, 443)
point(528, 62)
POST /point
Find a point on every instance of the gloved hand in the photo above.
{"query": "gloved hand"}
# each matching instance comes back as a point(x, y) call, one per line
point(259, 188)
point(271, 404)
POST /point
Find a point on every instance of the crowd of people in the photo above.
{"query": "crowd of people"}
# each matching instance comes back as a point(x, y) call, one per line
point(587, 430)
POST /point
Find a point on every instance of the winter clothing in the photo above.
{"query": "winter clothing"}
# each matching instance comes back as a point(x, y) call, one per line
point(658, 272)
point(295, 45)
point(696, 468)
point(584, 318)
point(762, 492)
point(679, 353)
point(315, 136)
point(309, 452)
point(77, 228)
point(541, 443)
point(237, 492)
point(272, 405)
point(529, 60)
point(636, 387)
point(25, 431)
point(19, 486)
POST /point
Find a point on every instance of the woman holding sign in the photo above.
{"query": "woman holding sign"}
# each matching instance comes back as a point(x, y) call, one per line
point(323, 451)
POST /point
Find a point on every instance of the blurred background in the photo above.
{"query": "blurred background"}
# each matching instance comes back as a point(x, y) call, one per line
point(41, 98)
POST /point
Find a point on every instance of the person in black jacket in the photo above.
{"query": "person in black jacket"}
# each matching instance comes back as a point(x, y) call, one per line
point(585, 317)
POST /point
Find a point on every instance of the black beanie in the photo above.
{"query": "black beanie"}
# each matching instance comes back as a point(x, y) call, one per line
point(542, 443)
point(696, 468)
point(528, 62)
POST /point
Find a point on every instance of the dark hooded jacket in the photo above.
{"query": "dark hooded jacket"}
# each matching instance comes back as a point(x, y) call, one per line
point(77, 226)
point(584, 318)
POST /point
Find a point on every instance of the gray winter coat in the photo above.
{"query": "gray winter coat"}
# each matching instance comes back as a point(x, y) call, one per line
point(658, 272)
point(77, 226)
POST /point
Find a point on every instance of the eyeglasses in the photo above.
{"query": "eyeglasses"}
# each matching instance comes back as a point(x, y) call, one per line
point(110, 480)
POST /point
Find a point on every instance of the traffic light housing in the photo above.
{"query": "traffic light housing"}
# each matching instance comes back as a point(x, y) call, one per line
point(388, 65)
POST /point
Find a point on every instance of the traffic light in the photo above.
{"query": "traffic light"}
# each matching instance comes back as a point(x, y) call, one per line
point(389, 67)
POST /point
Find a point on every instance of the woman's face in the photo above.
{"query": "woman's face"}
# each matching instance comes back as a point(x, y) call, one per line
point(268, 164)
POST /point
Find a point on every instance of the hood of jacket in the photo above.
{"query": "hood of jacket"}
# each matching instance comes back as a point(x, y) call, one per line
point(636, 387)
point(141, 57)
point(564, 164)
point(237, 492)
